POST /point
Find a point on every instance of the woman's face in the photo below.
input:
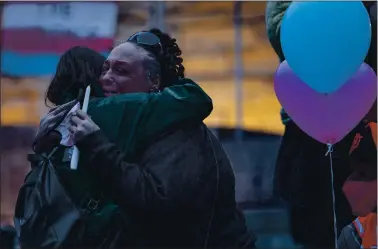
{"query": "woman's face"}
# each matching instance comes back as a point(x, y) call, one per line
point(123, 71)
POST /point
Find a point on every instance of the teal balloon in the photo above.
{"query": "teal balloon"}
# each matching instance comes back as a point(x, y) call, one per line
point(325, 43)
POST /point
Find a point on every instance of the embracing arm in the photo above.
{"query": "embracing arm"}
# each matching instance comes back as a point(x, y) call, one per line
point(139, 118)
point(175, 105)
point(168, 174)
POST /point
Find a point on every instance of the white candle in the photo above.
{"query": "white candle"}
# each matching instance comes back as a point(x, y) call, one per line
point(76, 154)
point(86, 99)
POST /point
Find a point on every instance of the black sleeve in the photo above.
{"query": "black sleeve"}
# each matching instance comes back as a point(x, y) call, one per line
point(166, 176)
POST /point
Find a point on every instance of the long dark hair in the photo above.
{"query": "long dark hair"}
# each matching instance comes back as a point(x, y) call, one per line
point(77, 68)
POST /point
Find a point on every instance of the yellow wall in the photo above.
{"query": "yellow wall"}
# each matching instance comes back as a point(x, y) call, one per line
point(260, 106)
point(22, 101)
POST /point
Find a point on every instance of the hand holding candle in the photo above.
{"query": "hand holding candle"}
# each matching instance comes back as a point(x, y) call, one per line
point(75, 154)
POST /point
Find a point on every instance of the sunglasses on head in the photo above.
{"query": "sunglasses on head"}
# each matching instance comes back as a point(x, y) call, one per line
point(146, 40)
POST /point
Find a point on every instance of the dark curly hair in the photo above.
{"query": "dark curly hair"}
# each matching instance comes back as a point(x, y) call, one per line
point(167, 63)
point(78, 67)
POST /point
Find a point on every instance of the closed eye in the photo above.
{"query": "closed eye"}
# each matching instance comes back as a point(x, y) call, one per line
point(120, 70)
point(104, 70)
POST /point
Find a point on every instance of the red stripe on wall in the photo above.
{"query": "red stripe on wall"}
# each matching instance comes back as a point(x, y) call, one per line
point(34, 41)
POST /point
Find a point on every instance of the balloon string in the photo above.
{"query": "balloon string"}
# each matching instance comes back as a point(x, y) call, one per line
point(329, 152)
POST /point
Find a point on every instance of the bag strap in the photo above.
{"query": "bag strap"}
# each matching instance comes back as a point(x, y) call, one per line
point(89, 204)
point(35, 158)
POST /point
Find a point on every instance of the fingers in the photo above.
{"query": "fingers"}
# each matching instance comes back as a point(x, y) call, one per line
point(52, 118)
point(63, 107)
point(78, 127)
point(82, 115)
point(52, 109)
point(81, 125)
point(72, 129)
point(56, 117)
point(49, 121)
point(58, 113)
point(75, 120)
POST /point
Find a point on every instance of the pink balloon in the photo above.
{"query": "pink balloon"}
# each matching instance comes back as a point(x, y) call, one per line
point(326, 118)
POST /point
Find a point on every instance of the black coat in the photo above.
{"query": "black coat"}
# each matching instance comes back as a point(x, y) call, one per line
point(303, 179)
point(180, 193)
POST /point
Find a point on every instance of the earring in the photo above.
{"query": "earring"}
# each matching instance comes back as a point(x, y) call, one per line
point(156, 89)
point(157, 86)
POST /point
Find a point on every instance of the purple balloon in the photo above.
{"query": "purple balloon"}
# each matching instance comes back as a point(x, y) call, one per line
point(327, 118)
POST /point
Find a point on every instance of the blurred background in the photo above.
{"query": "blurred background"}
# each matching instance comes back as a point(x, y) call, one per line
point(225, 49)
